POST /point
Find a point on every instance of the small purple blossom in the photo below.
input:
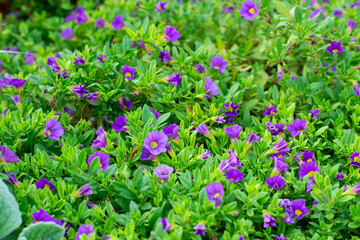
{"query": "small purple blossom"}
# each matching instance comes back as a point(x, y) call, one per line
point(156, 142)
point(84, 191)
point(253, 137)
point(166, 224)
point(128, 72)
point(84, 230)
point(279, 166)
point(93, 96)
point(16, 99)
point(340, 176)
point(280, 75)
point(351, 24)
point(44, 183)
point(174, 79)
point(160, 7)
point(200, 229)
point(275, 129)
point(308, 168)
point(338, 13)
point(282, 237)
point(118, 22)
point(299, 209)
point(269, 221)
point(233, 132)
point(203, 129)
point(315, 113)
point(63, 74)
point(124, 104)
point(199, 68)
point(119, 124)
point(101, 58)
point(67, 33)
point(234, 175)
point(29, 58)
point(297, 127)
point(6, 155)
point(355, 159)
point(270, 111)
point(211, 86)
point(275, 182)
point(335, 47)
point(157, 115)
point(230, 109)
point(53, 129)
point(218, 64)
point(146, 155)
point(163, 172)
point(12, 180)
point(205, 155)
point(249, 10)
point(79, 90)
point(17, 83)
point(215, 192)
point(100, 23)
point(172, 131)
point(165, 56)
point(79, 61)
point(104, 160)
point(171, 34)
point(356, 89)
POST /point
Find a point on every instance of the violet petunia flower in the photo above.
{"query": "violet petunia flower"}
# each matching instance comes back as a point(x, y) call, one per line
point(119, 124)
point(299, 209)
point(230, 109)
point(104, 160)
point(157, 115)
point(280, 148)
point(100, 23)
point(320, 10)
point(279, 166)
point(93, 96)
point(355, 159)
point(70, 17)
point(172, 131)
point(166, 224)
point(215, 191)
point(253, 137)
point(289, 215)
point(308, 168)
point(280, 75)
point(63, 74)
point(6, 155)
point(5, 112)
point(335, 47)
point(12, 180)
point(173, 79)
point(199, 68)
point(233, 160)
point(124, 104)
point(29, 58)
point(118, 22)
point(16, 99)
point(233, 132)
point(17, 83)
point(83, 191)
point(338, 13)
point(171, 34)
point(53, 129)
point(79, 90)
point(165, 56)
point(315, 113)
point(234, 175)
point(275, 129)
point(44, 183)
point(160, 7)
point(53, 64)
point(219, 119)
point(211, 86)
point(355, 189)
point(205, 155)
point(249, 10)
point(218, 64)
point(146, 155)
point(224, 167)
point(128, 72)
point(270, 111)
point(67, 33)
point(156, 142)
point(297, 127)
point(101, 58)
point(100, 141)
point(351, 24)
point(269, 221)
point(282, 237)
point(275, 182)
point(203, 129)
point(340, 176)
point(84, 230)
point(200, 229)
point(356, 89)
point(79, 61)
point(80, 15)
point(43, 216)
point(163, 172)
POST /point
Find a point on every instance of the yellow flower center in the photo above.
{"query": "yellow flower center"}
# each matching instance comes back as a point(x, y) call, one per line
point(159, 7)
point(229, 109)
point(216, 195)
point(309, 160)
point(356, 159)
point(127, 75)
point(272, 113)
point(251, 10)
point(100, 165)
point(280, 155)
point(231, 179)
point(312, 173)
point(217, 67)
point(153, 144)
point(335, 50)
point(46, 186)
point(301, 130)
point(298, 212)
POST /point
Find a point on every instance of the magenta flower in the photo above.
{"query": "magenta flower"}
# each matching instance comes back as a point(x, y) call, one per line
point(93, 96)
point(233, 132)
point(171, 34)
point(165, 56)
point(83, 191)
point(17, 83)
point(351, 24)
point(118, 22)
point(199, 68)
point(42, 216)
point(218, 64)
point(279, 166)
point(44, 183)
point(128, 72)
point(335, 47)
point(269, 221)
point(355, 159)
point(205, 155)
point(215, 192)
point(67, 33)
point(160, 7)
point(146, 155)
point(249, 10)
point(174, 79)
point(12, 180)
point(101, 58)
point(79, 90)
point(166, 224)
point(172, 131)
point(119, 124)
point(53, 129)
point(356, 89)
point(211, 86)
point(308, 168)
point(253, 137)
point(234, 175)
point(299, 209)
point(270, 111)
point(104, 160)
point(315, 113)
point(200, 229)
point(29, 58)
point(79, 61)
point(275, 182)
point(275, 129)
point(100, 23)
point(231, 109)
point(203, 129)
point(124, 104)
point(16, 99)
point(282, 237)
point(156, 142)
point(233, 160)
point(84, 230)
point(6, 155)
point(297, 127)
point(163, 172)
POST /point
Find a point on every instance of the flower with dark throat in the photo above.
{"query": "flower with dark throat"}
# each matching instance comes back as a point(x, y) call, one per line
point(200, 229)
point(124, 104)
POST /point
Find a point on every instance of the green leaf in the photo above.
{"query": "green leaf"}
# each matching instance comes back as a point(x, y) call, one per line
point(10, 216)
point(42, 231)
point(282, 9)
point(145, 25)
point(298, 15)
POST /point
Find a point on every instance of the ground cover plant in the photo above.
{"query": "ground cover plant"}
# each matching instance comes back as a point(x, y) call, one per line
point(176, 119)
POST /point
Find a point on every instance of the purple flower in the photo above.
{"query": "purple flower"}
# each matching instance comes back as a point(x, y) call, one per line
point(53, 64)
point(269, 221)
point(172, 131)
point(356, 89)
point(282, 237)
point(69, 111)
point(205, 155)
point(63, 74)
point(351, 24)
point(79, 61)
point(70, 17)
point(17, 83)
point(270, 111)
point(234, 175)
point(275, 129)
point(119, 124)
point(118, 22)
point(338, 13)
point(279, 166)
point(275, 182)
point(12, 180)
point(146, 155)
point(53, 129)
point(166, 224)
point(218, 64)
point(81, 15)
point(99, 142)
point(200, 229)
point(233, 132)
point(157, 115)
point(317, 11)
point(83, 191)
point(165, 56)
point(307, 157)
point(171, 34)
point(42, 216)
point(199, 68)
point(253, 137)
point(79, 90)
point(84, 229)
point(163, 172)
point(315, 113)
point(280, 75)
point(215, 192)
point(67, 33)
point(124, 104)
point(16, 99)
point(174, 79)
point(280, 148)
point(203, 129)
point(160, 7)
point(6, 155)
point(101, 58)
point(335, 47)
point(44, 183)
point(211, 86)
point(224, 167)
point(355, 189)
point(1, 66)
point(5, 112)
point(156, 142)
point(340, 176)
point(104, 160)
point(297, 127)
point(128, 72)
point(299, 209)
point(308, 168)
point(219, 120)
point(100, 23)
point(355, 159)
point(93, 96)
point(249, 10)
point(289, 215)
point(231, 109)
point(29, 58)
point(141, 44)
point(233, 160)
